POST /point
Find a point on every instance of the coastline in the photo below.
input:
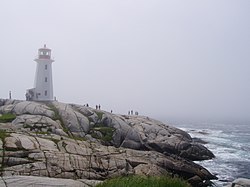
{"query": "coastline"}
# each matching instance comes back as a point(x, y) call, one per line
point(229, 143)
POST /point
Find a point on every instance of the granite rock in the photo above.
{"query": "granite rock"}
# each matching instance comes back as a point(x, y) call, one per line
point(58, 140)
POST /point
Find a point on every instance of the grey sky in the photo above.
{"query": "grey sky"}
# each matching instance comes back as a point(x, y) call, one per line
point(166, 59)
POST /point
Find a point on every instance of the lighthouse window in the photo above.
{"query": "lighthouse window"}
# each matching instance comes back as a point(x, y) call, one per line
point(45, 93)
point(46, 79)
point(46, 66)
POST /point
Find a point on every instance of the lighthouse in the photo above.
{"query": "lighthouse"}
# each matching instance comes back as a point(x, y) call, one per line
point(43, 85)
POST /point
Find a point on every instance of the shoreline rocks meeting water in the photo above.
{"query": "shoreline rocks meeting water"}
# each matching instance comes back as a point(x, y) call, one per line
point(85, 145)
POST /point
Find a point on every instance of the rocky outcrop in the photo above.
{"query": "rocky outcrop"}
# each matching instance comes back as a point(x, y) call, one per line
point(57, 140)
point(25, 107)
point(154, 135)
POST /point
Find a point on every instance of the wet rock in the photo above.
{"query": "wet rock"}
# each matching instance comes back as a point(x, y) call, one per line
point(240, 182)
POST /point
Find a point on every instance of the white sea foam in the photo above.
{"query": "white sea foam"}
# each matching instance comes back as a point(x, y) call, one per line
point(231, 147)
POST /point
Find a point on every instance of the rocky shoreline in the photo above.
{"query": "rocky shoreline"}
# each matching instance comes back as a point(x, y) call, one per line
point(78, 143)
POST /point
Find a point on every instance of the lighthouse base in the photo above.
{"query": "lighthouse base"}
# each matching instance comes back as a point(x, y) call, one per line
point(32, 95)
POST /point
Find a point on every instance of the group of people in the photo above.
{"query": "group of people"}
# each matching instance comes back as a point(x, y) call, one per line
point(131, 112)
point(98, 107)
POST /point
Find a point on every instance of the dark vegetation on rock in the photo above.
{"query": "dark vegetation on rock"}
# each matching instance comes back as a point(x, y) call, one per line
point(7, 117)
point(58, 140)
point(141, 181)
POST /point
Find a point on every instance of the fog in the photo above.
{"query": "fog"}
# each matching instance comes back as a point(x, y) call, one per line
point(170, 60)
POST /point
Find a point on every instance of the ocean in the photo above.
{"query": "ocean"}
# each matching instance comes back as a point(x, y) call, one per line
point(230, 144)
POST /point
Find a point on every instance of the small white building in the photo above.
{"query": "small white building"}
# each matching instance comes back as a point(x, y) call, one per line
point(43, 85)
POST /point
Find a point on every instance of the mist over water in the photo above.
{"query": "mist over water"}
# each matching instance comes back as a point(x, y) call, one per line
point(173, 59)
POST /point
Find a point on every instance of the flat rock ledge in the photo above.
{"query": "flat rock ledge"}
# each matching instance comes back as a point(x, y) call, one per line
point(83, 145)
point(31, 181)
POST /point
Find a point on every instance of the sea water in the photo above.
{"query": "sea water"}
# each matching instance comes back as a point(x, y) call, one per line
point(230, 144)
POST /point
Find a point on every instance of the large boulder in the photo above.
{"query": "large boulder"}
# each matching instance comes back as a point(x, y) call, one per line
point(74, 121)
point(38, 123)
point(139, 132)
point(26, 107)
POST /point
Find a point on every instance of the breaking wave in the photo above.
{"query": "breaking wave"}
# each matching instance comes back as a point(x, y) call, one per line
point(230, 145)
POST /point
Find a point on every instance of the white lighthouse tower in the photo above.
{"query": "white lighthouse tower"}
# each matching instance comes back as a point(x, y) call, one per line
point(43, 85)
